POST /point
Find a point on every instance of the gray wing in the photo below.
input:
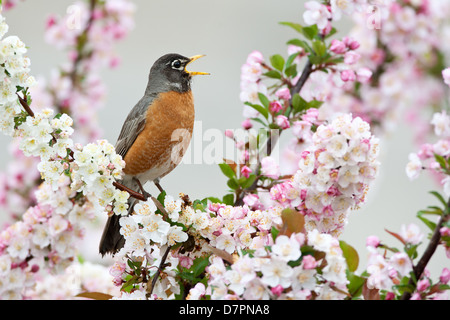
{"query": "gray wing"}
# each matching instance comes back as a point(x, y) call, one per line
point(133, 125)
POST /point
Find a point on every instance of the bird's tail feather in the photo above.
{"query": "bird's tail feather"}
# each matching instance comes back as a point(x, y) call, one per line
point(112, 241)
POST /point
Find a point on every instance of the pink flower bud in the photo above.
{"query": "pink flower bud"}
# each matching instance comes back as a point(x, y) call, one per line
point(338, 47)
point(247, 124)
point(445, 231)
point(351, 43)
point(445, 276)
point(278, 290)
point(275, 106)
point(245, 171)
point(372, 241)
point(423, 285)
point(229, 133)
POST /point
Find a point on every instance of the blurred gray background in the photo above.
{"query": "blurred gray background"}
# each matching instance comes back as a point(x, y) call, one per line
point(226, 31)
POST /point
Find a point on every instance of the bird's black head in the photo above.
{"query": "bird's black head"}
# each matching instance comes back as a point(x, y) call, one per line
point(169, 73)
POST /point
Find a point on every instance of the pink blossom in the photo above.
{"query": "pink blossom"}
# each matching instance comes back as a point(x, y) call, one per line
point(270, 168)
point(255, 57)
point(351, 57)
point(364, 75)
point(348, 75)
point(282, 122)
point(446, 76)
point(311, 115)
point(309, 262)
point(283, 93)
point(316, 13)
point(252, 200)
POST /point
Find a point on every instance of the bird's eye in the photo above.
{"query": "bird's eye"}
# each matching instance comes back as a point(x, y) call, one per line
point(176, 64)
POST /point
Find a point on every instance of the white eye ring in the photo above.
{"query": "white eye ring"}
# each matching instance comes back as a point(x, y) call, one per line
point(176, 64)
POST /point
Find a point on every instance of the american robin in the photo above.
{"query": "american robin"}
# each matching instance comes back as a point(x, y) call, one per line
point(147, 141)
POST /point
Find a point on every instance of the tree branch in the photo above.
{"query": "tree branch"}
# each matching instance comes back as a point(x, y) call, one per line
point(158, 272)
point(423, 262)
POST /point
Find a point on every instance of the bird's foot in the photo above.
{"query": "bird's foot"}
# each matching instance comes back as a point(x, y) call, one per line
point(144, 193)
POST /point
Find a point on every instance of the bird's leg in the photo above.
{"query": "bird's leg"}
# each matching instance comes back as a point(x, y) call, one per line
point(144, 193)
point(156, 182)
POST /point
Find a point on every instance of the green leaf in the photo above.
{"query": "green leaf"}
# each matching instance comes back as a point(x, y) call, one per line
point(310, 32)
point(199, 266)
point(314, 104)
point(259, 121)
point(298, 103)
point(441, 161)
point(297, 27)
point(214, 199)
point(277, 62)
point(291, 71)
point(439, 197)
point(249, 181)
point(227, 171)
point(427, 222)
point(228, 199)
point(301, 43)
point(260, 109)
point(233, 183)
point(319, 47)
point(274, 74)
point(351, 255)
point(264, 100)
point(161, 197)
point(355, 285)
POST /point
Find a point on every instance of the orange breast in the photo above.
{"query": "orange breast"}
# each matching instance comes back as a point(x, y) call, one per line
point(166, 135)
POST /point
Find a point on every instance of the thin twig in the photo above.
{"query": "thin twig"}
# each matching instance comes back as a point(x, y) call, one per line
point(82, 39)
point(158, 272)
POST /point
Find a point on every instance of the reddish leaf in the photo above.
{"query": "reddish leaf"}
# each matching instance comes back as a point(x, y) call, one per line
point(370, 294)
point(293, 222)
point(396, 235)
point(94, 296)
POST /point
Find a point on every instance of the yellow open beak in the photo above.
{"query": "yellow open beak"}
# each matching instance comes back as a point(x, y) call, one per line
point(194, 73)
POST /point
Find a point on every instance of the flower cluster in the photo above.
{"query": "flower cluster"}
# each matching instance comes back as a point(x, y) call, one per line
point(88, 35)
point(434, 157)
point(395, 43)
point(14, 69)
point(284, 270)
point(77, 278)
point(77, 184)
point(387, 273)
point(334, 174)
